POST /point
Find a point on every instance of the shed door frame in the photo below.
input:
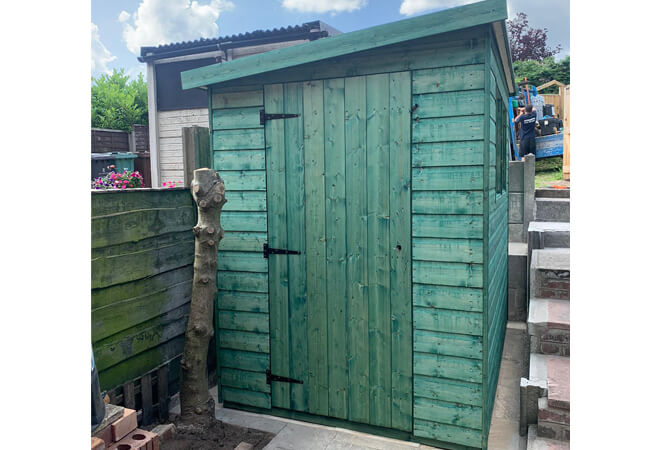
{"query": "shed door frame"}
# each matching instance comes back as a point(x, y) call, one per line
point(345, 160)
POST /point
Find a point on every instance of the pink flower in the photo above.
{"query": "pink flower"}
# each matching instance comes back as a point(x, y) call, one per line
point(164, 184)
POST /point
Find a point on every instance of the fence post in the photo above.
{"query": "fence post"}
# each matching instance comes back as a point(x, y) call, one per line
point(196, 153)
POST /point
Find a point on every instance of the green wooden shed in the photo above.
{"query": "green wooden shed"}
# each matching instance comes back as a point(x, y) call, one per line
point(363, 273)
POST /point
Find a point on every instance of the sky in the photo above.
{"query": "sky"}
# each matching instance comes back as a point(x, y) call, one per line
point(120, 28)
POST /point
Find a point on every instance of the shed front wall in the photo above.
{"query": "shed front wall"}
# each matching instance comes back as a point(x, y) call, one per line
point(453, 227)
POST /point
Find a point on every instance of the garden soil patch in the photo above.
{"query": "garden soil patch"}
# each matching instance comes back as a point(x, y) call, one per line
point(217, 436)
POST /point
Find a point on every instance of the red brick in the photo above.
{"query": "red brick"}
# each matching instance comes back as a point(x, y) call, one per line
point(165, 431)
point(553, 293)
point(124, 425)
point(138, 440)
point(548, 348)
point(96, 444)
point(563, 285)
point(105, 435)
point(554, 415)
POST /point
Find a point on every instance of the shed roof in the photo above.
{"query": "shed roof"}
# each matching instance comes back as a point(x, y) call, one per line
point(484, 12)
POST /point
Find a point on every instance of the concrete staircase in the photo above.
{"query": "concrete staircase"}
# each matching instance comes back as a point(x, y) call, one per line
point(545, 394)
point(553, 205)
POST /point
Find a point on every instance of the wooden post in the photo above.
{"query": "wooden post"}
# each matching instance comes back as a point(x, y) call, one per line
point(163, 392)
point(146, 399)
point(196, 153)
point(567, 133)
point(129, 395)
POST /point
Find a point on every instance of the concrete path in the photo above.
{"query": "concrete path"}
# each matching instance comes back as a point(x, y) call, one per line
point(296, 435)
point(504, 431)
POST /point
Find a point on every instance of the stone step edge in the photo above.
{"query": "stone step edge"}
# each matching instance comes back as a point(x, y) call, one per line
point(560, 259)
point(541, 315)
point(538, 374)
point(552, 193)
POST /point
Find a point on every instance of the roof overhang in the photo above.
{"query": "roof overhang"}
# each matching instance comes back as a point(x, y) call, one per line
point(501, 35)
point(485, 12)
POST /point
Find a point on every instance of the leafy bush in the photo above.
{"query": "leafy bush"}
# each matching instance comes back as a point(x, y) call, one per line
point(117, 103)
point(113, 180)
point(540, 72)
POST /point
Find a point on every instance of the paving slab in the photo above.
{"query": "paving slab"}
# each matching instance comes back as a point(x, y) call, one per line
point(297, 436)
point(537, 443)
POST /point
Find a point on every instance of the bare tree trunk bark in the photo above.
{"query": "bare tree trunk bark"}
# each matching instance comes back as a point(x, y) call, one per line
point(208, 191)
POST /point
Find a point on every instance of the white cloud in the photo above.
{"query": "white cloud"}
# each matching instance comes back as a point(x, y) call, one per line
point(409, 7)
point(323, 6)
point(163, 21)
point(100, 56)
point(136, 70)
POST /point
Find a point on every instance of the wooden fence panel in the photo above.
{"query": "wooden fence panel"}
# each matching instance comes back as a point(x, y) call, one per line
point(138, 317)
point(103, 141)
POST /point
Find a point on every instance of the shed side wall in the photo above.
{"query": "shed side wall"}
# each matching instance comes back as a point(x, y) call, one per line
point(242, 313)
point(497, 237)
point(447, 193)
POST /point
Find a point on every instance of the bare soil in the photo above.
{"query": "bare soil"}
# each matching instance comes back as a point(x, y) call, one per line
point(216, 436)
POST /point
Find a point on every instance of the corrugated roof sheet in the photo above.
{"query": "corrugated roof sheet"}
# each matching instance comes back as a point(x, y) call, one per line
point(257, 34)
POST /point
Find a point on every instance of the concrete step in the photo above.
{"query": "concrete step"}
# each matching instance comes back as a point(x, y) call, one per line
point(534, 442)
point(549, 235)
point(550, 274)
point(549, 326)
point(553, 209)
point(556, 372)
point(553, 193)
point(517, 281)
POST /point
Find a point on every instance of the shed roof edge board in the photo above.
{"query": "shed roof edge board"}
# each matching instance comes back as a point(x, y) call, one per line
point(451, 19)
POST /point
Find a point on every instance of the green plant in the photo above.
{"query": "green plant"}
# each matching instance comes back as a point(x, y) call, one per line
point(540, 72)
point(117, 103)
point(113, 180)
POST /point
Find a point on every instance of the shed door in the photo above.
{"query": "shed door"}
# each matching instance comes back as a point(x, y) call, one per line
point(338, 182)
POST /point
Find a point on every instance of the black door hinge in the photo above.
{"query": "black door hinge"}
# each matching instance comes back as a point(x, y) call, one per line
point(266, 116)
point(271, 377)
point(266, 250)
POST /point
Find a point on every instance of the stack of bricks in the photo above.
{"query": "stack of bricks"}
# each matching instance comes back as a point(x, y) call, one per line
point(123, 434)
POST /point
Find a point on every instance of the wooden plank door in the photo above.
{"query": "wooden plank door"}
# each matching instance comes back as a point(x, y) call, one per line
point(338, 191)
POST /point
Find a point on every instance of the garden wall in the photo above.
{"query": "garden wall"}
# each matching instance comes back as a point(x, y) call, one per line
point(142, 251)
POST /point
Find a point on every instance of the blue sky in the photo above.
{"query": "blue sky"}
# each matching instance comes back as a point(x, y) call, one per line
point(120, 27)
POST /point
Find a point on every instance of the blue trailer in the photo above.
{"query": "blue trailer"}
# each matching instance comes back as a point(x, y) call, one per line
point(546, 146)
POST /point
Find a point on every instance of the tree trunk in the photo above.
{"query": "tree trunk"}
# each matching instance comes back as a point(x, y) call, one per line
point(208, 191)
